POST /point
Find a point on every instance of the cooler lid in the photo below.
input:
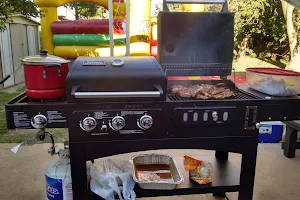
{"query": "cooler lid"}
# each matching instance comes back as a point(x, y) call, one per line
point(196, 44)
point(273, 71)
point(43, 58)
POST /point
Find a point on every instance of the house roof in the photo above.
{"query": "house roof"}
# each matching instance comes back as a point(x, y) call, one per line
point(21, 19)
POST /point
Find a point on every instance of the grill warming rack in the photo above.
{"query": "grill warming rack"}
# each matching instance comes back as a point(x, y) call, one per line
point(198, 69)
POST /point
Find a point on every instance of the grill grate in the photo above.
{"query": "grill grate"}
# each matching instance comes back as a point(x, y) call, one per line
point(195, 66)
point(198, 69)
point(238, 95)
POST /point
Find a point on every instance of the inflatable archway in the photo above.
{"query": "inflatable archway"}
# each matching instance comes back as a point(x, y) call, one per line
point(71, 39)
point(139, 29)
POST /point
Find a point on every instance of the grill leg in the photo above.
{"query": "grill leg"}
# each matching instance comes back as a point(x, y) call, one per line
point(222, 155)
point(248, 170)
point(290, 142)
point(78, 171)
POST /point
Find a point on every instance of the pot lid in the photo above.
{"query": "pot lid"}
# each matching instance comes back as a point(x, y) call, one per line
point(44, 57)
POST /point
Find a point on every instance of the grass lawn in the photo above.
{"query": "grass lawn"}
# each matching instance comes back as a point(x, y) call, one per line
point(61, 135)
point(242, 64)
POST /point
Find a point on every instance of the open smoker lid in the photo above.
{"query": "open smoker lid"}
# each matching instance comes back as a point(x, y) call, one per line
point(196, 44)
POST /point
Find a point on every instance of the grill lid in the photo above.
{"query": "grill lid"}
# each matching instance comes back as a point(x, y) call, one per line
point(110, 79)
point(198, 44)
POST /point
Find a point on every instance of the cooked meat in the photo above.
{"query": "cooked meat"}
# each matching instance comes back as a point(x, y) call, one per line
point(202, 97)
point(187, 92)
point(176, 88)
point(203, 91)
point(221, 85)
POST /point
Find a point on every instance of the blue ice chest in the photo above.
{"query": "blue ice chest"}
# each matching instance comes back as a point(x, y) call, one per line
point(270, 132)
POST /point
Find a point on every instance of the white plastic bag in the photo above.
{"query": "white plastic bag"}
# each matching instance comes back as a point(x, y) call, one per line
point(112, 176)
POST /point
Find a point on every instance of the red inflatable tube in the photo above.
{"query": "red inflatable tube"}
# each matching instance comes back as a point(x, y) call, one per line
point(153, 42)
point(87, 26)
point(153, 50)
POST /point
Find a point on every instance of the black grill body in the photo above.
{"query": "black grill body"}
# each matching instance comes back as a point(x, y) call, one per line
point(91, 78)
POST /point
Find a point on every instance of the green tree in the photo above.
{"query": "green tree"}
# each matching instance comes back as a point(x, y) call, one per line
point(8, 7)
point(85, 10)
point(260, 29)
point(292, 18)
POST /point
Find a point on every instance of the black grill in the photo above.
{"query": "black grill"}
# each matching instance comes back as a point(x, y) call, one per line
point(238, 95)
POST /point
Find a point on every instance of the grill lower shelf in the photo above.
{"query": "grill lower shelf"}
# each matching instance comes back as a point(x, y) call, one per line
point(226, 178)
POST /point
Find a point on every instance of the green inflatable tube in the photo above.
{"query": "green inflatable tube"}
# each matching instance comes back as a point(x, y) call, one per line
point(101, 40)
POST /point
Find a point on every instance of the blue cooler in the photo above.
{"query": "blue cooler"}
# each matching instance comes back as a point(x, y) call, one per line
point(270, 132)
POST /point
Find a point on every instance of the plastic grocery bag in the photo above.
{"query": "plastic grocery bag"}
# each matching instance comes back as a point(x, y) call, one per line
point(112, 177)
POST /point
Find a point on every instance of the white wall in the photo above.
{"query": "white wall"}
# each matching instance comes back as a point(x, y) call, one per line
point(17, 41)
point(6, 56)
point(68, 13)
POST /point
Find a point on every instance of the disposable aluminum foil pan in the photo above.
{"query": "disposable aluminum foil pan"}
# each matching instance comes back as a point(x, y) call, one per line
point(147, 159)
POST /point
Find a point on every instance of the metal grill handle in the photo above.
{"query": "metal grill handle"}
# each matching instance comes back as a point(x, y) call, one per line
point(148, 94)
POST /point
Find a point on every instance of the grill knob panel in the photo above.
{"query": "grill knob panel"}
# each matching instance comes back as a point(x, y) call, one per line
point(117, 123)
point(39, 121)
point(88, 124)
point(146, 122)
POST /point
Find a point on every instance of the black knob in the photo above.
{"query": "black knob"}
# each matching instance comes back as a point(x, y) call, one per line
point(43, 52)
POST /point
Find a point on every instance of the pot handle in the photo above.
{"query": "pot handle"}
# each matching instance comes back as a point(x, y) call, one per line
point(51, 66)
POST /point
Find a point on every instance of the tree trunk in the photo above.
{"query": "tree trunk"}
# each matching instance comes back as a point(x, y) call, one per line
point(294, 63)
point(76, 11)
point(242, 48)
point(294, 50)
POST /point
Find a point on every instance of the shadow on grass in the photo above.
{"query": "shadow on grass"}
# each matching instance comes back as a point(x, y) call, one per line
point(277, 63)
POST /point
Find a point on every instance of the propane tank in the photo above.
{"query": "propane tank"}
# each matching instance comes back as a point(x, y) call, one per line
point(58, 177)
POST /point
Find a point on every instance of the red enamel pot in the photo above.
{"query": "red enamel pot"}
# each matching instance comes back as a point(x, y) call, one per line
point(45, 76)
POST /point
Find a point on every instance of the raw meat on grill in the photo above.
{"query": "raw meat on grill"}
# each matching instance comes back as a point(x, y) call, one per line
point(203, 91)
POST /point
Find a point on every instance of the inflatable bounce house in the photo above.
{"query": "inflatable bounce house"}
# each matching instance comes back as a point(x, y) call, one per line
point(70, 39)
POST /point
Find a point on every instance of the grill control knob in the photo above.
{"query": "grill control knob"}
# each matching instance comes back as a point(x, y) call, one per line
point(39, 121)
point(88, 124)
point(117, 123)
point(215, 115)
point(103, 127)
point(146, 122)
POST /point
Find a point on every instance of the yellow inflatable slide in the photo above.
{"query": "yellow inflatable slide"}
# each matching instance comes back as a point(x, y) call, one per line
point(140, 27)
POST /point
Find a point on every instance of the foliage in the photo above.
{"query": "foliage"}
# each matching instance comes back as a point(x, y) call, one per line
point(296, 21)
point(85, 10)
point(8, 7)
point(172, 7)
point(260, 26)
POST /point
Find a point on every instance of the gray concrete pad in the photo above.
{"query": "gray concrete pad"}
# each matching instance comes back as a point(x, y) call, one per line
point(22, 174)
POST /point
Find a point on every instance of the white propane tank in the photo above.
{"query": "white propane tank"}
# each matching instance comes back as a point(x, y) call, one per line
point(58, 177)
